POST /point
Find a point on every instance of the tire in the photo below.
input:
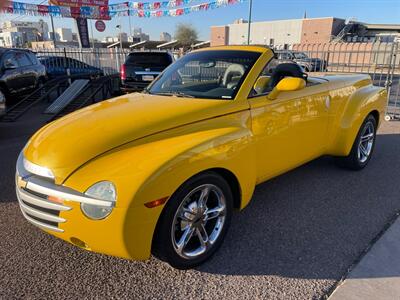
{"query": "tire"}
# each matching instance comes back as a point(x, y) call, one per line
point(2, 102)
point(361, 153)
point(184, 216)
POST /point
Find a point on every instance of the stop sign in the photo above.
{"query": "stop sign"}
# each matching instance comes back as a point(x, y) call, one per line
point(100, 25)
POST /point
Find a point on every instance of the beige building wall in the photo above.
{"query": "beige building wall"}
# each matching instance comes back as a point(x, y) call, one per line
point(266, 33)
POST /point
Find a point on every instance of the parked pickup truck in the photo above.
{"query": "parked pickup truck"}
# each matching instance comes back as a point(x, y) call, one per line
point(301, 58)
point(141, 68)
point(162, 171)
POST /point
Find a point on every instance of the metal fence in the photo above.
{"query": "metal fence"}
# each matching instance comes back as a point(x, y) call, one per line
point(109, 60)
point(380, 60)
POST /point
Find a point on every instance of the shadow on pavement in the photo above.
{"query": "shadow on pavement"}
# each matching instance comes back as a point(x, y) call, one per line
point(315, 221)
point(312, 222)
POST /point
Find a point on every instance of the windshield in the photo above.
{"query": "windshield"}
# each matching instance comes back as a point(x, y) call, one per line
point(209, 74)
point(300, 55)
point(149, 59)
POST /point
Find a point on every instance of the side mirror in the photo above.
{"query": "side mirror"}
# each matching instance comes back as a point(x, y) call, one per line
point(287, 84)
point(261, 84)
point(9, 65)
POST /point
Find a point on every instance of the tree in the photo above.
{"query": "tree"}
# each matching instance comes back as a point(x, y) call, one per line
point(186, 34)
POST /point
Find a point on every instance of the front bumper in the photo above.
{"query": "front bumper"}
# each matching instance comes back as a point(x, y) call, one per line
point(41, 201)
point(56, 210)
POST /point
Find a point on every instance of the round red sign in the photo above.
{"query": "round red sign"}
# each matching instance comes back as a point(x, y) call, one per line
point(100, 25)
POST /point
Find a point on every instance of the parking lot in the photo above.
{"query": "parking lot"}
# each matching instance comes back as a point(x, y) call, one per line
point(297, 238)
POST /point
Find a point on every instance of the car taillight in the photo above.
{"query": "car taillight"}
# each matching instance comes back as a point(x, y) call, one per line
point(123, 72)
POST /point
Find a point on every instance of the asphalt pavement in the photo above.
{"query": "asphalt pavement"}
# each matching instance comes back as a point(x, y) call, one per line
point(296, 240)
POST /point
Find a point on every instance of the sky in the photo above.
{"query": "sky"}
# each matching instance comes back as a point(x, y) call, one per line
point(370, 11)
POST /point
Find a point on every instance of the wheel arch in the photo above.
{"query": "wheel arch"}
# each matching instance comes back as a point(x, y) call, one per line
point(368, 100)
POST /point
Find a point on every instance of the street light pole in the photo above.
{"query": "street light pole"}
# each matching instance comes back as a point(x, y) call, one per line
point(53, 35)
point(249, 24)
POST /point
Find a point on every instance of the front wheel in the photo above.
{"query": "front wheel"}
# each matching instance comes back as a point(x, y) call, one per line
point(194, 222)
point(363, 146)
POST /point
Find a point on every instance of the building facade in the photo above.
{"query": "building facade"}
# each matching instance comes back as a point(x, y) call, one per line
point(64, 35)
point(303, 31)
point(11, 39)
point(27, 31)
point(165, 37)
point(280, 32)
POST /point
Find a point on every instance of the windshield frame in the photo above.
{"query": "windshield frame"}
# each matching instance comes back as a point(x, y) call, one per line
point(255, 55)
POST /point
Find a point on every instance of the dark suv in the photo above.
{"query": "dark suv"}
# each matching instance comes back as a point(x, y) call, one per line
point(20, 71)
point(141, 68)
point(308, 64)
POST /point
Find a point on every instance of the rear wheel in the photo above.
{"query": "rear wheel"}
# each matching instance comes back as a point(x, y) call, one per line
point(363, 146)
point(194, 222)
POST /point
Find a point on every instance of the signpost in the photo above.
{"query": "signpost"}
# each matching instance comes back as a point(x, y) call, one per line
point(82, 23)
point(100, 26)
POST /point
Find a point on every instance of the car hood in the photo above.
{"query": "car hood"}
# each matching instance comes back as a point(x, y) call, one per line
point(68, 143)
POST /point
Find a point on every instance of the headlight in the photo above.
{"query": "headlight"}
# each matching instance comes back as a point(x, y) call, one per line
point(104, 190)
point(38, 170)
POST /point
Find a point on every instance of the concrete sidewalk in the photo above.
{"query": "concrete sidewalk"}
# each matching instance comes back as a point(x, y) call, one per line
point(377, 275)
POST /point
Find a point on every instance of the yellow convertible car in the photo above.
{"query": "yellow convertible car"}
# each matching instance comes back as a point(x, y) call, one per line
point(162, 171)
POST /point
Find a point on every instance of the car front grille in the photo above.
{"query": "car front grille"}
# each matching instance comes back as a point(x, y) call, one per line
point(40, 211)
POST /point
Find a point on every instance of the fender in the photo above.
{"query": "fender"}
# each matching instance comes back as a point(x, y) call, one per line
point(155, 167)
point(359, 104)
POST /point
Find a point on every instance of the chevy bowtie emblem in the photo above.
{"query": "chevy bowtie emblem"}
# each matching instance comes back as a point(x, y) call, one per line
point(21, 183)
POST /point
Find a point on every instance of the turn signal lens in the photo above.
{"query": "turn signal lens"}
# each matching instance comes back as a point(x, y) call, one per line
point(156, 202)
point(55, 199)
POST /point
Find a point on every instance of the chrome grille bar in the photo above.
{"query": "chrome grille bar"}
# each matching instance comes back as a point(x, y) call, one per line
point(39, 214)
point(35, 200)
point(40, 224)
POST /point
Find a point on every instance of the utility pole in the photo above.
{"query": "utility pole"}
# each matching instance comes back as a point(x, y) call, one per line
point(53, 35)
point(130, 25)
point(249, 24)
point(91, 31)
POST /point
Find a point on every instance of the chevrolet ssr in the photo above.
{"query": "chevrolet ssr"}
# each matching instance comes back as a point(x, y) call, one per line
point(162, 171)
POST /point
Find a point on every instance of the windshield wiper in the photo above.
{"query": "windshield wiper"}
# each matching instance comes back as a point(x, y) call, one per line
point(175, 94)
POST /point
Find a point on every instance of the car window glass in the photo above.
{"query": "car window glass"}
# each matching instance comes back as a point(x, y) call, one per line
point(23, 59)
point(206, 74)
point(10, 60)
point(33, 58)
point(149, 59)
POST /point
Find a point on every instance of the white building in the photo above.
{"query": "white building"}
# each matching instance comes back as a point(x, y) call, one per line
point(165, 37)
point(267, 33)
point(138, 33)
point(11, 39)
point(64, 34)
point(31, 31)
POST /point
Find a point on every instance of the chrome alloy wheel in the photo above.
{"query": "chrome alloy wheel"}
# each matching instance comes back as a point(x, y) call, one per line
point(366, 142)
point(198, 221)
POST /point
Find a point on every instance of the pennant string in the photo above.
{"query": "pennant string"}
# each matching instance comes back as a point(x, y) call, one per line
point(171, 8)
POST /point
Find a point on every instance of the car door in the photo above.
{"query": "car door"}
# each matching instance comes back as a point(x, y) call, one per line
point(289, 130)
point(28, 74)
point(12, 72)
